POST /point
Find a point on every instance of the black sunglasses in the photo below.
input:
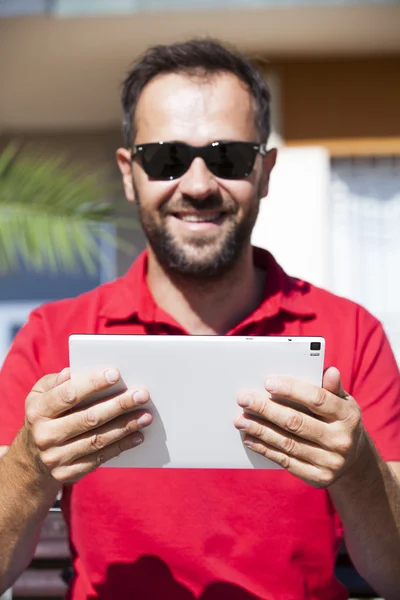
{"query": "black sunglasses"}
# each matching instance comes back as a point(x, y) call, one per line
point(170, 160)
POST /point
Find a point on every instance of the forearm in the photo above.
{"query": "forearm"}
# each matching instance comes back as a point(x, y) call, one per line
point(368, 502)
point(26, 494)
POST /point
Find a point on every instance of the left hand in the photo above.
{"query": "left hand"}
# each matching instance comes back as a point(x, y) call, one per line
point(319, 447)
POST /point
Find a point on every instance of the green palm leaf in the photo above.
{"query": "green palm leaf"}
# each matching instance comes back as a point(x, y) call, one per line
point(52, 216)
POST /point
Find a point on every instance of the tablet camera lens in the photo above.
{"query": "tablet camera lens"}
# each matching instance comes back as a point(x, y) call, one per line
point(314, 346)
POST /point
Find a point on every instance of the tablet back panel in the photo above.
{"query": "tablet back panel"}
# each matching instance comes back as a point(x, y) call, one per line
point(194, 382)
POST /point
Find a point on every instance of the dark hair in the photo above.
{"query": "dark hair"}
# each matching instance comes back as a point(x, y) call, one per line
point(203, 56)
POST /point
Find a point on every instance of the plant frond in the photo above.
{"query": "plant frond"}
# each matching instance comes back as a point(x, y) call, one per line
point(53, 216)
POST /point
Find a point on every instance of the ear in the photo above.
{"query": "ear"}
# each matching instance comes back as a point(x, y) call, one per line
point(269, 161)
point(124, 160)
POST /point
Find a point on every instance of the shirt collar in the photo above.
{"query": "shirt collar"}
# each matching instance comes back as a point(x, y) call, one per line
point(129, 296)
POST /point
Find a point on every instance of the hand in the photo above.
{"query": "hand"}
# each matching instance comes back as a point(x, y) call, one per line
point(67, 441)
point(319, 447)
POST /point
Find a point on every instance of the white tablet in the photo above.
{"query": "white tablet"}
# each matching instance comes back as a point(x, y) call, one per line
point(194, 382)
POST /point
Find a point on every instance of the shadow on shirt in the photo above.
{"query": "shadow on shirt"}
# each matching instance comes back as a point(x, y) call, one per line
point(150, 578)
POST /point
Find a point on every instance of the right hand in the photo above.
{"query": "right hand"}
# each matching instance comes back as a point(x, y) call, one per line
point(68, 442)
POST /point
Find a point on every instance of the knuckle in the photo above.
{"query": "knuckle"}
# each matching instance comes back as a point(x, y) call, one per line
point(295, 422)
point(337, 462)
point(31, 413)
point(90, 418)
point(98, 441)
point(125, 402)
point(285, 461)
point(264, 451)
point(68, 393)
point(326, 477)
point(264, 407)
point(100, 458)
point(355, 417)
point(41, 438)
point(289, 445)
point(130, 424)
point(343, 445)
point(125, 443)
point(119, 448)
point(60, 474)
point(50, 459)
point(258, 430)
point(319, 398)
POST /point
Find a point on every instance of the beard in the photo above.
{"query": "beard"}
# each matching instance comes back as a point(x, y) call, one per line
point(199, 256)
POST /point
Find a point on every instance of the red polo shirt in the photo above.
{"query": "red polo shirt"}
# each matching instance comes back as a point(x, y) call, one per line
point(145, 534)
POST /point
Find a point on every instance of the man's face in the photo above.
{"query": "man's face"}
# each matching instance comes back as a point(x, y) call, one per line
point(199, 224)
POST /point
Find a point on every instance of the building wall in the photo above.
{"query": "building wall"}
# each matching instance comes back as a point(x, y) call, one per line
point(347, 106)
point(340, 99)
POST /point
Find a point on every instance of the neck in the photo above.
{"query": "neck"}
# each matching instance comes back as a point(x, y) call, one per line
point(208, 307)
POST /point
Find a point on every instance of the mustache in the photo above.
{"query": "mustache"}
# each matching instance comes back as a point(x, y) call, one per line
point(187, 203)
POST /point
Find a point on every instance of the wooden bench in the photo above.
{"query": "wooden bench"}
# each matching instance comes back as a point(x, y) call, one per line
point(50, 569)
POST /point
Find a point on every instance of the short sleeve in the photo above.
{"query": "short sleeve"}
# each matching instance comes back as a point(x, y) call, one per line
point(376, 386)
point(22, 368)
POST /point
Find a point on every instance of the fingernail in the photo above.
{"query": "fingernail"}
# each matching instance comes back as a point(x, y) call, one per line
point(112, 375)
point(138, 439)
point(144, 420)
point(246, 400)
point(243, 423)
point(140, 397)
point(271, 385)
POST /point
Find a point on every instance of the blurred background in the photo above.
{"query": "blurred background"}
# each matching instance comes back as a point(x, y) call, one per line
point(333, 213)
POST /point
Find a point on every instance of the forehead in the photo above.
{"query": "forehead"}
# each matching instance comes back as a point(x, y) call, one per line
point(196, 109)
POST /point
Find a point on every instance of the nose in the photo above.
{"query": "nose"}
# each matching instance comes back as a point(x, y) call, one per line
point(198, 181)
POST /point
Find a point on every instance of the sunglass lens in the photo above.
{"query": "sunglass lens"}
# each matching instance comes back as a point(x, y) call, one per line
point(232, 160)
point(165, 161)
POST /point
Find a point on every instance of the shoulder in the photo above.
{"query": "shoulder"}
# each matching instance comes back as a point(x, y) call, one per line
point(358, 345)
point(304, 298)
point(78, 305)
point(43, 339)
point(112, 299)
point(335, 309)
point(80, 314)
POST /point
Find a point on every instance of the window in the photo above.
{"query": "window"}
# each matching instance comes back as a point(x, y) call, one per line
point(365, 230)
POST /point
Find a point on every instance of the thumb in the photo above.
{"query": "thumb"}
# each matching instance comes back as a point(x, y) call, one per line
point(332, 382)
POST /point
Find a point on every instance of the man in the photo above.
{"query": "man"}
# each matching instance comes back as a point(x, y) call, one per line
point(209, 534)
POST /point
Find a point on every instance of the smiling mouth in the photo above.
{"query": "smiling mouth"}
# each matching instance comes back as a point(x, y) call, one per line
point(205, 217)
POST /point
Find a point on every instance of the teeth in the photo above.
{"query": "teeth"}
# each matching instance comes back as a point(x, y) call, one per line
point(199, 218)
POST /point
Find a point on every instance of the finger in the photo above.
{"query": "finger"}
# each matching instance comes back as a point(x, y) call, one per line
point(63, 428)
point(286, 418)
point(49, 382)
point(68, 395)
point(317, 399)
point(63, 376)
point(289, 444)
point(316, 476)
point(72, 473)
point(46, 383)
point(332, 382)
point(97, 440)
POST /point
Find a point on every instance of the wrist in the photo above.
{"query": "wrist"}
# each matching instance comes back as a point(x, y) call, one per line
point(361, 469)
point(36, 474)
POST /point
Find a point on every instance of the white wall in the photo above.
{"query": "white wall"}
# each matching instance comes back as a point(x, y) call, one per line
point(293, 219)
